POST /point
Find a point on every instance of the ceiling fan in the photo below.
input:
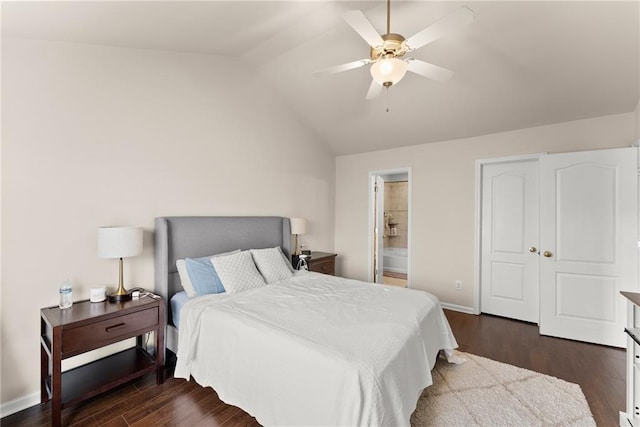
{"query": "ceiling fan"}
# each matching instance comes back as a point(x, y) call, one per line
point(387, 56)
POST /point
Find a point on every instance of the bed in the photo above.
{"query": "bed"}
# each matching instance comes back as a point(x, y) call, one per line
point(310, 350)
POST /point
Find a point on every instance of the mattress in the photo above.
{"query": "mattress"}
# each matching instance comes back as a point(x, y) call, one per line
point(177, 302)
point(315, 350)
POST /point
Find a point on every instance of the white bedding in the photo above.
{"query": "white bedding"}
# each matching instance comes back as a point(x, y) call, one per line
point(315, 350)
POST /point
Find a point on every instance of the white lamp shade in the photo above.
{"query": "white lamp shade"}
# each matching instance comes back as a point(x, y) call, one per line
point(389, 70)
point(298, 225)
point(119, 242)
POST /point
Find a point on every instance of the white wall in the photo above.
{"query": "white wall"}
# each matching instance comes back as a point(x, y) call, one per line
point(96, 136)
point(637, 120)
point(443, 191)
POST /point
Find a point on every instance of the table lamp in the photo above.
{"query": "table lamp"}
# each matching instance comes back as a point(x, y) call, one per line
point(298, 226)
point(119, 242)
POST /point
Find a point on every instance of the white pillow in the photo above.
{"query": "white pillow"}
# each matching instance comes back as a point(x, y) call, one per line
point(185, 280)
point(238, 272)
point(272, 264)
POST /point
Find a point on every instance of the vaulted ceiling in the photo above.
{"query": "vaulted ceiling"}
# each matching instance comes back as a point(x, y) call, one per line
point(520, 64)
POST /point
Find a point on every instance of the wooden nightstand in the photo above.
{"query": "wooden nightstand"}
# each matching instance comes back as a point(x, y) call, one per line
point(322, 262)
point(87, 326)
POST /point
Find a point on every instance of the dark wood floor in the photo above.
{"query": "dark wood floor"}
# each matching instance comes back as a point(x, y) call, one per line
point(600, 371)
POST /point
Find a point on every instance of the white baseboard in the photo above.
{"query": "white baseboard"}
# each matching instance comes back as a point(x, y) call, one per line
point(17, 405)
point(455, 307)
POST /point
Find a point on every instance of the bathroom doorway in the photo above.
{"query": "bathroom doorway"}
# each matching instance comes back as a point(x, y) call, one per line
point(390, 226)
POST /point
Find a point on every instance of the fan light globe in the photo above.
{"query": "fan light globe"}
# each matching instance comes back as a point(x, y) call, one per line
point(389, 71)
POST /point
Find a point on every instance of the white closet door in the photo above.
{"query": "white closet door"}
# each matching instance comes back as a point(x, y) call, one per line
point(509, 270)
point(588, 243)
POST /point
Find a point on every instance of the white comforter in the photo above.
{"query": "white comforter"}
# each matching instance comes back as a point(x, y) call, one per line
point(315, 350)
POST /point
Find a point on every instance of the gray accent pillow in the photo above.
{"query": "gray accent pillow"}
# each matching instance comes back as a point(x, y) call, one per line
point(272, 264)
point(237, 272)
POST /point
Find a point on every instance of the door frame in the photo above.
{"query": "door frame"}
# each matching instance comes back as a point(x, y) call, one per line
point(477, 256)
point(372, 219)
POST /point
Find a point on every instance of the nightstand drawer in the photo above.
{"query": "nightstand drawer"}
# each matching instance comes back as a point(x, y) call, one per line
point(326, 267)
point(99, 333)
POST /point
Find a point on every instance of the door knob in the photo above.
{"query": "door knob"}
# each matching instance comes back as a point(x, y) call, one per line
point(533, 249)
point(547, 254)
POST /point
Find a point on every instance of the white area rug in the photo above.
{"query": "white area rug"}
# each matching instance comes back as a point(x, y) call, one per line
point(483, 392)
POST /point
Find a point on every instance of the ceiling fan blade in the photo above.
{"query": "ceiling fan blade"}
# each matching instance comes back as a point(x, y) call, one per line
point(428, 70)
point(446, 25)
point(363, 26)
point(341, 68)
point(374, 90)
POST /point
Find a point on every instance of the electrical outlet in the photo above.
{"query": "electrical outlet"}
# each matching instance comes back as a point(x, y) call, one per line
point(458, 285)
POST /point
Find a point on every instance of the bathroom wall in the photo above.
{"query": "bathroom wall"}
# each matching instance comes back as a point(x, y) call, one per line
point(396, 205)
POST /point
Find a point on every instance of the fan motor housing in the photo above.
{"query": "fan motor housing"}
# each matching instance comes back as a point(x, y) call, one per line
point(393, 46)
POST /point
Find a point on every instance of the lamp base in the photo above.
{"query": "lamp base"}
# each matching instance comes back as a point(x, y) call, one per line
point(121, 294)
point(119, 298)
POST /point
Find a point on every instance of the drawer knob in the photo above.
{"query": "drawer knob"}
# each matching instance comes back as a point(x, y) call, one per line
point(111, 328)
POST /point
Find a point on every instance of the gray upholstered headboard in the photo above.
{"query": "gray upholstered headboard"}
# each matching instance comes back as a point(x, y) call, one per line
point(197, 236)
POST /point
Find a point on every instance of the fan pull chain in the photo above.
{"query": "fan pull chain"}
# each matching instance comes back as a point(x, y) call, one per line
point(387, 99)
